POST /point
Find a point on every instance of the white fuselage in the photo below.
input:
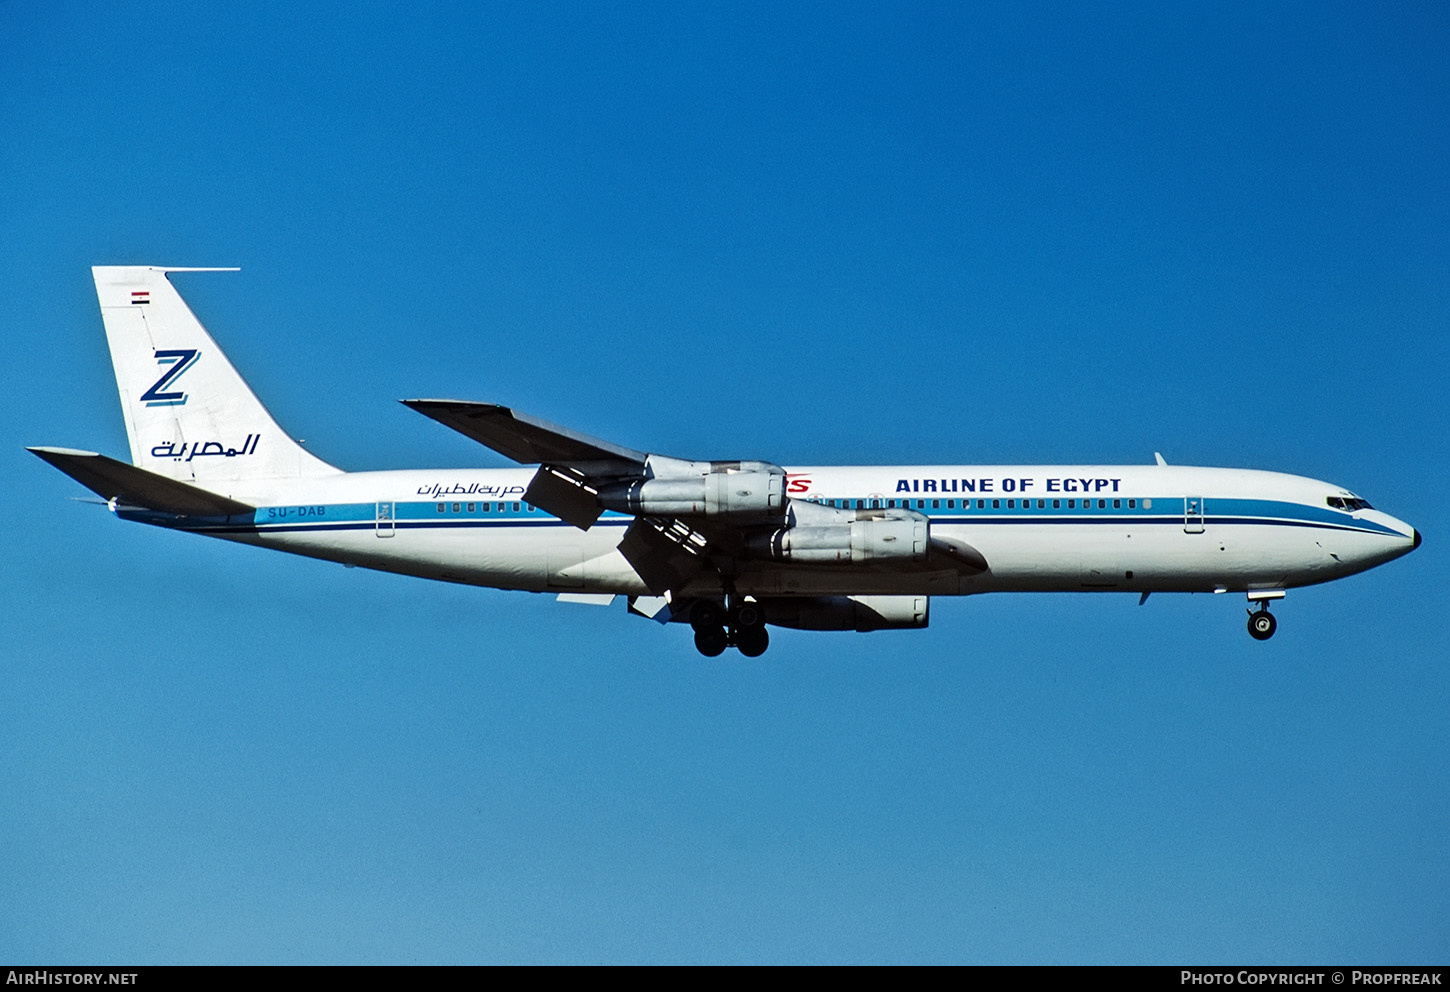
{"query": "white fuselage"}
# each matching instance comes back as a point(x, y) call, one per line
point(1040, 528)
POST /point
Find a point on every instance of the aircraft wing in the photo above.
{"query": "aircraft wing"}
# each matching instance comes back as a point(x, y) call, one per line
point(689, 512)
point(572, 466)
point(526, 439)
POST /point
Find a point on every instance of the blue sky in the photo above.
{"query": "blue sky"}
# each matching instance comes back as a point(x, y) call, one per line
point(818, 233)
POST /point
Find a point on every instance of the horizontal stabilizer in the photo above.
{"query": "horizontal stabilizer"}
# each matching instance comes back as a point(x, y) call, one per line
point(525, 439)
point(111, 479)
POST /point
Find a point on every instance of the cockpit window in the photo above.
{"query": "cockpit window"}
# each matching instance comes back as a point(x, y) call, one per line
point(1348, 503)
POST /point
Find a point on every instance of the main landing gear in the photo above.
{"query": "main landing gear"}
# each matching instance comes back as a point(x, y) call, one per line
point(1262, 623)
point(740, 626)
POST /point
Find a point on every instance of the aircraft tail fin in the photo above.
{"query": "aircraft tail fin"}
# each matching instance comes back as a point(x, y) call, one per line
point(189, 414)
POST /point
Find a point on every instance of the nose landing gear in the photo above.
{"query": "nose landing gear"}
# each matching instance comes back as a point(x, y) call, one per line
point(1262, 623)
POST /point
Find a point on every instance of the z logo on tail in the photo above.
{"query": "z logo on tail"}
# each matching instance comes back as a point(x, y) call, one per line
point(180, 359)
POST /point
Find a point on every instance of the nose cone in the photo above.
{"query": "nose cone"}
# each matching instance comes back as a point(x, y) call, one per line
point(1406, 538)
point(1386, 539)
point(1407, 534)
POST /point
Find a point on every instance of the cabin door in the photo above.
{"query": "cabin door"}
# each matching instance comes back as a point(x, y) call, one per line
point(1193, 514)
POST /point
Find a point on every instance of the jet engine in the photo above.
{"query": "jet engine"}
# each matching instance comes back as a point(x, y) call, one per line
point(748, 492)
point(903, 537)
point(859, 613)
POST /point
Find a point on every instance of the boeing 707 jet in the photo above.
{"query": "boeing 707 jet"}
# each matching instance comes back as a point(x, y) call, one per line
point(728, 547)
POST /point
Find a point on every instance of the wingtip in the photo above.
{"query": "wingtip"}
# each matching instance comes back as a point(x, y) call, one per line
point(474, 406)
point(41, 450)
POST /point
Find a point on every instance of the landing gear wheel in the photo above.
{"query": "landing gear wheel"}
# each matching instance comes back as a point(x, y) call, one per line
point(749, 615)
point(1262, 625)
point(704, 615)
point(752, 641)
point(711, 641)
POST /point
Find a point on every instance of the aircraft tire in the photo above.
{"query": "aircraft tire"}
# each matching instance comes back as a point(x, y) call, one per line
point(711, 641)
point(1262, 625)
point(752, 641)
point(749, 615)
point(704, 615)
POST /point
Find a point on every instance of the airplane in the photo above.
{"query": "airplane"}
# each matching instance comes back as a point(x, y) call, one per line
point(727, 547)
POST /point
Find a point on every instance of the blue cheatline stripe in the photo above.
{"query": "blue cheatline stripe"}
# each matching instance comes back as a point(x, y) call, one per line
point(370, 524)
point(1165, 510)
point(419, 516)
point(542, 524)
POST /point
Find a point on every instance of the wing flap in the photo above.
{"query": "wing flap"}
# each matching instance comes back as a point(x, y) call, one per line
point(111, 479)
point(565, 496)
point(664, 558)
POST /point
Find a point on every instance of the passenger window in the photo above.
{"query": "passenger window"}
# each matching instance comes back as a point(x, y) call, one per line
point(1132, 504)
point(1147, 504)
point(1117, 504)
point(1102, 504)
point(1042, 504)
point(516, 508)
point(441, 507)
point(996, 504)
point(1057, 504)
point(470, 507)
point(982, 504)
point(936, 504)
point(455, 507)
